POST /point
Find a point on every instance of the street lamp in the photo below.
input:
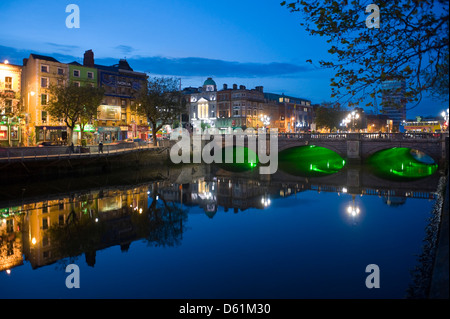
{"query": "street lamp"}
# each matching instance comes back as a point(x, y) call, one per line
point(265, 120)
point(444, 114)
point(353, 116)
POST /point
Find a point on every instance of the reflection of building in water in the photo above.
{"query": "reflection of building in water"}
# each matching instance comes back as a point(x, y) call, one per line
point(122, 214)
point(10, 240)
point(106, 206)
point(241, 194)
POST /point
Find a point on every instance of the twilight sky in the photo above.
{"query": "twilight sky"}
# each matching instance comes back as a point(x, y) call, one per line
point(245, 42)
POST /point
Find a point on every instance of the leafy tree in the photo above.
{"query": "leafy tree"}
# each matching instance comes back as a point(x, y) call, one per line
point(411, 44)
point(93, 97)
point(160, 102)
point(327, 117)
point(74, 104)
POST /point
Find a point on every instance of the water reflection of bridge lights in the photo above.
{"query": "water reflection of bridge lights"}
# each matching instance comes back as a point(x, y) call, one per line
point(353, 210)
point(265, 201)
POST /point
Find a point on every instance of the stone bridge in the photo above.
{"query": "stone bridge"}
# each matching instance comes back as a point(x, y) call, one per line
point(360, 146)
point(350, 146)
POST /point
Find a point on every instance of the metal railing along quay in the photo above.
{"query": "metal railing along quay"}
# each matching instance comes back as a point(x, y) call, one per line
point(21, 154)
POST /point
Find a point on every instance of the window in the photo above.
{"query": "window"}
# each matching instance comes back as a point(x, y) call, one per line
point(44, 99)
point(60, 71)
point(76, 73)
point(44, 68)
point(76, 83)
point(60, 82)
point(90, 75)
point(8, 83)
point(45, 223)
point(44, 82)
point(44, 116)
point(124, 102)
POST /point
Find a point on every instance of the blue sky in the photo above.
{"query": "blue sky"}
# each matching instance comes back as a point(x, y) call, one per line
point(245, 42)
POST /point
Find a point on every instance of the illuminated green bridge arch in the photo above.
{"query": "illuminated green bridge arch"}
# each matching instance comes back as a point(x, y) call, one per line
point(360, 146)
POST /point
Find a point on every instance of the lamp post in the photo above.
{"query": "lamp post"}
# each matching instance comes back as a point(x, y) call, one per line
point(445, 114)
point(353, 116)
point(265, 120)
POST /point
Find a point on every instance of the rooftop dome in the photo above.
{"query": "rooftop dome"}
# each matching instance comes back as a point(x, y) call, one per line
point(209, 81)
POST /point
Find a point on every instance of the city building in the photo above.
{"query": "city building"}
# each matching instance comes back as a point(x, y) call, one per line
point(11, 124)
point(239, 107)
point(394, 102)
point(290, 114)
point(81, 75)
point(202, 104)
point(39, 74)
point(117, 115)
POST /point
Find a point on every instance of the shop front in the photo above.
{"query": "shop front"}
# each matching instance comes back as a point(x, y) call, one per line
point(53, 134)
point(108, 134)
point(138, 131)
point(88, 134)
point(10, 131)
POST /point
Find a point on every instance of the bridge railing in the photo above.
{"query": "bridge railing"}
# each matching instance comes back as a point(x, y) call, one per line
point(309, 136)
point(364, 136)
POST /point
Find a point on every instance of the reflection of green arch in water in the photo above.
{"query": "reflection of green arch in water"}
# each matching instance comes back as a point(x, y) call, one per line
point(238, 153)
point(401, 163)
point(310, 161)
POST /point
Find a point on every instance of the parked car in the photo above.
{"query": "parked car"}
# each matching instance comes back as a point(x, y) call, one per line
point(42, 144)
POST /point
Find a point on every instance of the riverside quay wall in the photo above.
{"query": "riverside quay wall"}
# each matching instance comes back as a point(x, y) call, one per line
point(58, 161)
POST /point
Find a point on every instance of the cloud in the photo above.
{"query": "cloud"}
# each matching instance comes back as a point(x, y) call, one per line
point(192, 66)
point(63, 47)
point(125, 49)
point(189, 66)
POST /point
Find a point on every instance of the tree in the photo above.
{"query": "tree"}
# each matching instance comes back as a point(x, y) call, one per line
point(93, 97)
point(327, 117)
point(411, 44)
point(160, 102)
point(73, 104)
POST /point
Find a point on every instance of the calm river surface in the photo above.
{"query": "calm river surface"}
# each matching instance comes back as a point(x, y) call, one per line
point(204, 232)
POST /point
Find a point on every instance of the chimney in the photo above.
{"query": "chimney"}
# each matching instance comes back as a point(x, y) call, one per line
point(234, 86)
point(259, 88)
point(88, 58)
point(225, 87)
point(241, 87)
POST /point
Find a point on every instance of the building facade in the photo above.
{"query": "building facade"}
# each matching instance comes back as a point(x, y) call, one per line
point(239, 107)
point(290, 114)
point(118, 118)
point(11, 124)
point(39, 74)
point(202, 105)
point(393, 101)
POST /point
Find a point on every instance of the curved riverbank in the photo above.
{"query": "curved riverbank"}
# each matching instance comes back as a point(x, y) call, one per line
point(440, 278)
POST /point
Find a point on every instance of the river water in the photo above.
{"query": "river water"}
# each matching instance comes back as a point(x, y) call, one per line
point(201, 231)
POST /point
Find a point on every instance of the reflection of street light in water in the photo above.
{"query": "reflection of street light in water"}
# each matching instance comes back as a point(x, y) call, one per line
point(353, 210)
point(265, 201)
